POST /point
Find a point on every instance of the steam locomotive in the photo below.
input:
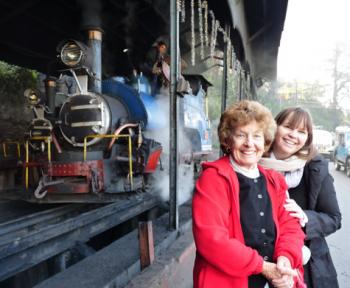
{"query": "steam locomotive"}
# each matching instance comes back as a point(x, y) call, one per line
point(96, 142)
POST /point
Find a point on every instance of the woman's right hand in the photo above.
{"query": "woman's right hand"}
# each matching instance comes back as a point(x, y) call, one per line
point(270, 271)
point(280, 274)
point(296, 211)
point(284, 267)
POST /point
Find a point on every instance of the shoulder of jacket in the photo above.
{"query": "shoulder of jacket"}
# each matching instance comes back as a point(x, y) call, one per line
point(318, 161)
point(222, 166)
point(318, 165)
point(270, 173)
point(275, 178)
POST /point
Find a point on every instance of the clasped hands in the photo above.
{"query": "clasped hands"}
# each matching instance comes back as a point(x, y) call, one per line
point(280, 274)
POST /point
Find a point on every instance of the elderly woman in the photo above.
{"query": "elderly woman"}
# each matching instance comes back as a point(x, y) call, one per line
point(243, 234)
point(313, 198)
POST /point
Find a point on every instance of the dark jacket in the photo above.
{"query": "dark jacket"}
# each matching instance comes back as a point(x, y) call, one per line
point(324, 219)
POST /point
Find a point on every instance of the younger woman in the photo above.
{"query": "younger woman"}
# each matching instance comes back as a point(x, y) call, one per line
point(312, 195)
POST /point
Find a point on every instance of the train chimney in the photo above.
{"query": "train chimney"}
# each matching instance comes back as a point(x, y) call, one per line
point(50, 90)
point(95, 44)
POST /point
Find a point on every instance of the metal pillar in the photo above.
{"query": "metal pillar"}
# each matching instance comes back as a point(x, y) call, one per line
point(174, 44)
point(240, 87)
point(224, 83)
point(224, 79)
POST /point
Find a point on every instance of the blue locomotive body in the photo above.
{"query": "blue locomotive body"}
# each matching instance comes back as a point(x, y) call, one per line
point(152, 111)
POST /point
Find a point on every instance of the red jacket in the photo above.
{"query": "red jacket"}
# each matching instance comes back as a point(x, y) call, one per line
point(223, 260)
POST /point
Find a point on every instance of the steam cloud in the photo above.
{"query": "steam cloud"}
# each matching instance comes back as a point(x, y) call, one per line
point(185, 181)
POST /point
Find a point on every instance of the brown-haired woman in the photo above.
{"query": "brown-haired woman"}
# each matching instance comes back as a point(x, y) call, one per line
point(312, 195)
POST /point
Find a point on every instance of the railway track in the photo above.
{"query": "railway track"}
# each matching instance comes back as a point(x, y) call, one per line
point(30, 238)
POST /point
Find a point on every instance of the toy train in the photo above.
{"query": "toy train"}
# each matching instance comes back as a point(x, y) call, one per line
point(97, 142)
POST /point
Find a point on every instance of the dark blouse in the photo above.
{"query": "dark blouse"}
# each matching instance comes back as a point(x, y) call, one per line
point(256, 220)
point(298, 194)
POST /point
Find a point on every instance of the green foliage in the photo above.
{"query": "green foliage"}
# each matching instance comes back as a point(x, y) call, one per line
point(267, 95)
point(305, 95)
point(276, 96)
point(13, 81)
point(214, 76)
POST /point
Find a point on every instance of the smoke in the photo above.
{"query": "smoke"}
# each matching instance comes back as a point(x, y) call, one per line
point(130, 23)
point(185, 183)
point(185, 174)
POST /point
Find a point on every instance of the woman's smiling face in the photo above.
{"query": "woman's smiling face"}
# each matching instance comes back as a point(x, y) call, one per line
point(248, 145)
point(288, 139)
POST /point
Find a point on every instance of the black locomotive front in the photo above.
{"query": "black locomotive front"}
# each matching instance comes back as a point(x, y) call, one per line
point(89, 147)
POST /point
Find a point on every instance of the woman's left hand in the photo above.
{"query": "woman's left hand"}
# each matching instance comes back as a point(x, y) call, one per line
point(296, 211)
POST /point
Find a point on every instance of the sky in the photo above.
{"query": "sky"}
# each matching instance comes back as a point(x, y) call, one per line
point(311, 30)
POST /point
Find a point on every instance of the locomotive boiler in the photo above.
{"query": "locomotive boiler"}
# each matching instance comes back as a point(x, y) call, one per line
point(96, 143)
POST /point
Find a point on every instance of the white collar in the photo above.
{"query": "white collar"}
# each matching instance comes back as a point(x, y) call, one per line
point(250, 173)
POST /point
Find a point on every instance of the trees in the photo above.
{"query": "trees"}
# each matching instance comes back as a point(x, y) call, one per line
point(340, 75)
point(13, 81)
point(278, 95)
point(13, 109)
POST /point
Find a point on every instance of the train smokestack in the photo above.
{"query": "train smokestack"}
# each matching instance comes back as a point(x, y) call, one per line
point(95, 43)
point(91, 22)
point(50, 90)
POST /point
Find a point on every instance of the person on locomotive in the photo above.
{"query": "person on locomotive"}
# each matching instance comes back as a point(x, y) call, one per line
point(159, 59)
point(244, 236)
point(313, 198)
point(152, 67)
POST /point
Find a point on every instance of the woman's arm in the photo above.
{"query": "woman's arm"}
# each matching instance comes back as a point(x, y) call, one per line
point(326, 218)
point(291, 236)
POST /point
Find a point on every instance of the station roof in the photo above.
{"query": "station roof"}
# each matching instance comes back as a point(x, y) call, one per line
point(33, 28)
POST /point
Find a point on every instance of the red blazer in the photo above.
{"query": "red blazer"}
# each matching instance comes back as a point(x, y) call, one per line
point(222, 259)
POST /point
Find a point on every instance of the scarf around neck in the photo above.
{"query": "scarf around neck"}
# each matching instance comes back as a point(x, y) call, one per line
point(290, 164)
point(292, 168)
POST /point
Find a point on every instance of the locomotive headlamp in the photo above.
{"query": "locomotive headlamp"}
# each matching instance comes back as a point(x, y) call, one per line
point(32, 96)
point(72, 54)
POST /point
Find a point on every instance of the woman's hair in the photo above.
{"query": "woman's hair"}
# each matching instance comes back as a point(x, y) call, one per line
point(297, 116)
point(243, 113)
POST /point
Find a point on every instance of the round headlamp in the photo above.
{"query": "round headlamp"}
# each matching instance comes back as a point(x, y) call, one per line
point(71, 54)
point(32, 96)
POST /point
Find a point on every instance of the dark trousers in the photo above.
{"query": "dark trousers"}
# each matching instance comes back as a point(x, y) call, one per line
point(257, 281)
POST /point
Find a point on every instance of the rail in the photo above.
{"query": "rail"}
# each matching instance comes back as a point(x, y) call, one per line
point(33, 239)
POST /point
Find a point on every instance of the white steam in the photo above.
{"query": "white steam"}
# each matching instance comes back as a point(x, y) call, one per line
point(160, 179)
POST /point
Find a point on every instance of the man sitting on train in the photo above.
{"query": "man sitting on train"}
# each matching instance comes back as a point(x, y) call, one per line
point(161, 71)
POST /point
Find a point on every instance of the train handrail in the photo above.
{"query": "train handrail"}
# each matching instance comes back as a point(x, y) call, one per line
point(114, 137)
point(8, 143)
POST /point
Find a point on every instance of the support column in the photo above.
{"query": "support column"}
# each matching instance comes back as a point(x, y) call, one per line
point(173, 158)
point(146, 244)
